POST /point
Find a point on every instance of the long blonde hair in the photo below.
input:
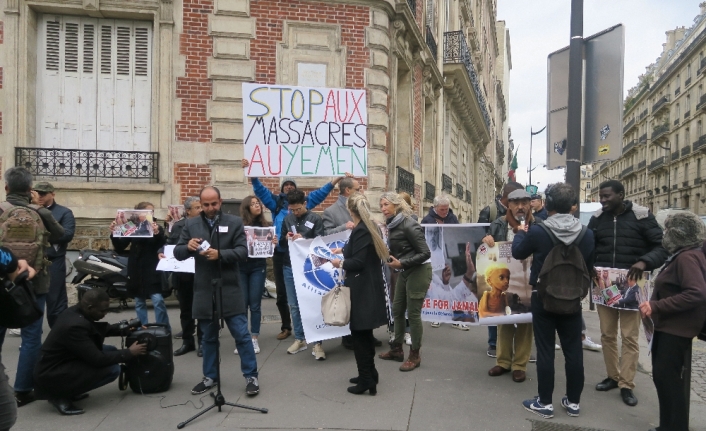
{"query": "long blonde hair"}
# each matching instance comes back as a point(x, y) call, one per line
point(358, 204)
point(401, 205)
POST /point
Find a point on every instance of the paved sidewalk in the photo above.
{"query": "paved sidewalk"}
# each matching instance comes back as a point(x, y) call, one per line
point(450, 391)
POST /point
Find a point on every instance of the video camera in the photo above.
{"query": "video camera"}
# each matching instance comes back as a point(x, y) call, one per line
point(126, 327)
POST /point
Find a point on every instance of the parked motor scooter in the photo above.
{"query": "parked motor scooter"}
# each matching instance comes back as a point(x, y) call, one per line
point(102, 269)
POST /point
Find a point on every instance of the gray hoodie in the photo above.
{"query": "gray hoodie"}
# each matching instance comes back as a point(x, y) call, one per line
point(566, 227)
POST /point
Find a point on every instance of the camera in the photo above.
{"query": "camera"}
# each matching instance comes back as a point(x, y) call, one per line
point(126, 326)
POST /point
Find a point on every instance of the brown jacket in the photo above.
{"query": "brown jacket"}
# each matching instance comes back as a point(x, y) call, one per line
point(679, 298)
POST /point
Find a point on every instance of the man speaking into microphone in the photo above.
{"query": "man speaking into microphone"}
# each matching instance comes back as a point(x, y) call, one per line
point(208, 238)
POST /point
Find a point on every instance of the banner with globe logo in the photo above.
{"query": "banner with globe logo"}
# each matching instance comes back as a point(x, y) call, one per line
point(314, 275)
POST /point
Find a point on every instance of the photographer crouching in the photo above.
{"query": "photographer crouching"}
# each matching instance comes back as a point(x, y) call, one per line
point(74, 360)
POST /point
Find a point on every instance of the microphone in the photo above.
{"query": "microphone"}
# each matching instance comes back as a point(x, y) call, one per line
point(217, 219)
point(522, 222)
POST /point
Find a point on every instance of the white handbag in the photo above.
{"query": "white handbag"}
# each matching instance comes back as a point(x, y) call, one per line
point(336, 304)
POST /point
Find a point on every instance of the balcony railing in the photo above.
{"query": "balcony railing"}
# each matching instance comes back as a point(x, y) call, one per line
point(656, 163)
point(446, 184)
point(627, 171)
point(702, 66)
point(675, 155)
point(642, 139)
point(456, 51)
point(660, 131)
point(431, 43)
point(685, 151)
point(677, 91)
point(649, 192)
point(405, 181)
point(629, 125)
point(702, 103)
point(459, 191)
point(629, 146)
point(429, 191)
point(413, 5)
point(643, 114)
point(687, 114)
point(675, 186)
point(642, 164)
point(661, 103)
point(687, 82)
point(468, 197)
point(685, 183)
point(89, 164)
point(700, 144)
point(676, 121)
point(697, 181)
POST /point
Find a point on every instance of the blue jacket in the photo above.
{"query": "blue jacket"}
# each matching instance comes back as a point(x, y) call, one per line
point(542, 214)
point(66, 219)
point(278, 205)
point(536, 242)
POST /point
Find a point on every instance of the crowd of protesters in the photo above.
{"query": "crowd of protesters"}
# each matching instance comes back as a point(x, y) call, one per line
point(621, 235)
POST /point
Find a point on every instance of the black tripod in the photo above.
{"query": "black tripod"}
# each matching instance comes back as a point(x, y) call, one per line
point(217, 300)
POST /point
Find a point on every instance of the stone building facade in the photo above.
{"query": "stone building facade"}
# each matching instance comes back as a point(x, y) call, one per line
point(664, 143)
point(122, 101)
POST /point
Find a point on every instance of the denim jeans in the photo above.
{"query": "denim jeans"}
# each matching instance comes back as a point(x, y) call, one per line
point(238, 327)
point(112, 372)
point(492, 336)
point(252, 283)
point(29, 350)
point(160, 310)
point(293, 303)
point(57, 300)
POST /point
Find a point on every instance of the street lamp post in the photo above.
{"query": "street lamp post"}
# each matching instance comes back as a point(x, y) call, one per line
point(530, 169)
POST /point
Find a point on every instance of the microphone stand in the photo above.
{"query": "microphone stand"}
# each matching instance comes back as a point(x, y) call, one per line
point(217, 301)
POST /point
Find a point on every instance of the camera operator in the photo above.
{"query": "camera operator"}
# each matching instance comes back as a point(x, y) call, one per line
point(74, 360)
point(10, 268)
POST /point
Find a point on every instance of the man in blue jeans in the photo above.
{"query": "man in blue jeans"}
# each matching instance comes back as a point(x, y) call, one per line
point(299, 223)
point(217, 243)
point(74, 360)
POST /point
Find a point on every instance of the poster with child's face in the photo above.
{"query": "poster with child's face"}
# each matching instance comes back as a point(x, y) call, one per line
point(134, 224)
point(503, 285)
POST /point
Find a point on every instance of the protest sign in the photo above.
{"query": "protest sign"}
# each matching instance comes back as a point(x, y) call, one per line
point(503, 285)
point(612, 288)
point(260, 241)
point(176, 213)
point(314, 275)
point(133, 224)
point(171, 264)
point(304, 131)
point(451, 296)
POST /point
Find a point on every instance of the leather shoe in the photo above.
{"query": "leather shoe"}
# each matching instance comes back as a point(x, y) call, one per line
point(184, 349)
point(199, 351)
point(606, 385)
point(65, 407)
point(518, 376)
point(24, 398)
point(628, 397)
point(79, 397)
point(497, 371)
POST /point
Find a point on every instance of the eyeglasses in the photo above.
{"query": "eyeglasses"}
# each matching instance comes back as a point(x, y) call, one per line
point(297, 209)
point(254, 204)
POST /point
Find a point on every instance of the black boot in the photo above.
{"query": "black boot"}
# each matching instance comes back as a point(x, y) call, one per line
point(65, 407)
point(361, 387)
point(376, 378)
point(186, 347)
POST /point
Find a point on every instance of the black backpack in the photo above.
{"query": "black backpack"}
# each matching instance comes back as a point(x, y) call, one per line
point(564, 278)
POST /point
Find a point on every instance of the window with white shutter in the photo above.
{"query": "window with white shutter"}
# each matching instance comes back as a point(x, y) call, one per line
point(95, 85)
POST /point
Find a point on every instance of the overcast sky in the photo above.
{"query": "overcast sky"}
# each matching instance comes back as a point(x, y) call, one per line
point(540, 27)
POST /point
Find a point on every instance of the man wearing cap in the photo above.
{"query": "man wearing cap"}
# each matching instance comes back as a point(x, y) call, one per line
point(514, 341)
point(537, 205)
point(279, 206)
point(57, 300)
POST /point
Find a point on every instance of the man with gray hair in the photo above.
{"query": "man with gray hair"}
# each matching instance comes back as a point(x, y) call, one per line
point(23, 204)
point(184, 283)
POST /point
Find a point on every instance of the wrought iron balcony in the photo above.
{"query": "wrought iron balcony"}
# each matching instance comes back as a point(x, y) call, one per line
point(629, 125)
point(677, 91)
point(656, 163)
point(685, 183)
point(657, 189)
point(675, 186)
point(700, 144)
point(675, 155)
point(89, 164)
point(456, 51)
point(431, 43)
point(649, 192)
point(468, 197)
point(687, 82)
point(459, 191)
point(702, 103)
point(687, 114)
point(697, 181)
point(629, 146)
point(643, 114)
point(447, 184)
point(702, 66)
point(627, 171)
point(661, 103)
point(685, 151)
point(660, 132)
point(676, 121)
point(413, 5)
point(405, 181)
point(642, 139)
point(642, 164)
point(642, 188)
point(429, 191)
point(603, 166)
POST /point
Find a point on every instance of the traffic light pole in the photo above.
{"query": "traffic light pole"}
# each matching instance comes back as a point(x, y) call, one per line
point(574, 123)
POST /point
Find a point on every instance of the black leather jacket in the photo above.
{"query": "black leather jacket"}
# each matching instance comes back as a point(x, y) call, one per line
point(408, 244)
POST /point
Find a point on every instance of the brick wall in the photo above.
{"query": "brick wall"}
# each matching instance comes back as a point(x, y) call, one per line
point(192, 178)
point(274, 185)
point(0, 123)
point(194, 88)
point(2, 31)
point(1, 75)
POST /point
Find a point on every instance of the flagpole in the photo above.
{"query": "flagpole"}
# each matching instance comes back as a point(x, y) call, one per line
point(532, 133)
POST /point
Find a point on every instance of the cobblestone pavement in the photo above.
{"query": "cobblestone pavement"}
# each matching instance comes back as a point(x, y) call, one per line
point(698, 369)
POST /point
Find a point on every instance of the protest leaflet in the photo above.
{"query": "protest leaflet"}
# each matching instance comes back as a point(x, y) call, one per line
point(503, 285)
point(304, 131)
point(260, 241)
point(171, 264)
point(451, 296)
point(133, 224)
point(314, 276)
point(612, 288)
point(176, 213)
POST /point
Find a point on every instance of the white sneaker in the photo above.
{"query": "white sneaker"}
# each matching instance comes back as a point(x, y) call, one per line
point(16, 332)
point(407, 338)
point(318, 352)
point(235, 352)
point(461, 326)
point(256, 345)
point(435, 324)
point(588, 344)
point(296, 347)
point(557, 347)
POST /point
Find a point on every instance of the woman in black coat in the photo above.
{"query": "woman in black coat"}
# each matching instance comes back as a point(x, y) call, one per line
point(362, 260)
point(145, 282)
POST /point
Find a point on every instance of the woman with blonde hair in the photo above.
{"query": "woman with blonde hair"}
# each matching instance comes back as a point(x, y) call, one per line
point(362, 260)
point(409, 255)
